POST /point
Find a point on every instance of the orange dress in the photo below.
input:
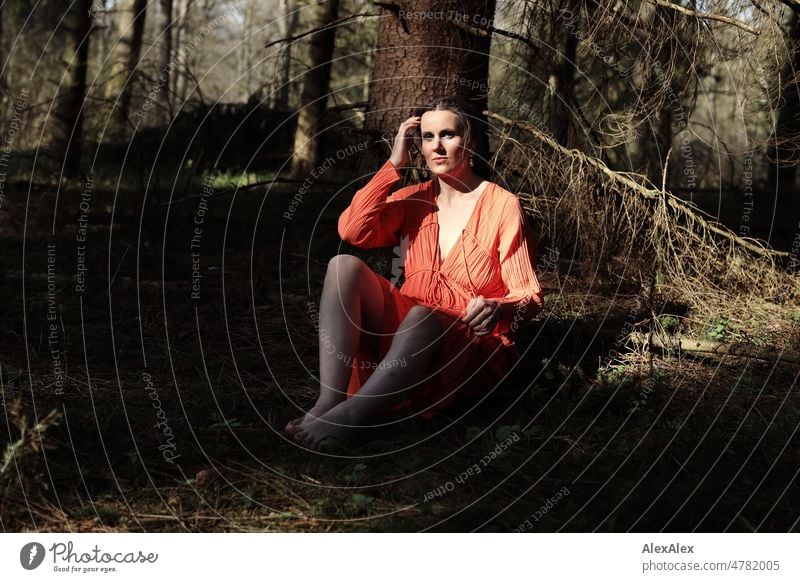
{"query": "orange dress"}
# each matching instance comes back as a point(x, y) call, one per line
point(493, 257)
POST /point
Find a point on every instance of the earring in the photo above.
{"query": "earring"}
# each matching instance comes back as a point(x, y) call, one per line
point(471, 163)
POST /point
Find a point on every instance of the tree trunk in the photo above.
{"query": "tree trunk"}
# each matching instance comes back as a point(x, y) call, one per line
point(2, 54)
point(166, 55)
point(561, 83)
point(639, 149)
point(648, 151)
point(181, 64)
point(785, 151)
point(420, 58)
point(67, 117)
point(130, 30)
point(289, 26)
point(315, 91)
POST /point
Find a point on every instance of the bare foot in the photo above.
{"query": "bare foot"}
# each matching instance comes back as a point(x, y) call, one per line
point(320, 408)
point(321, 434)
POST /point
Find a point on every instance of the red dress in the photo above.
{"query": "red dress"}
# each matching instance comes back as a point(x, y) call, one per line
point(493, 257)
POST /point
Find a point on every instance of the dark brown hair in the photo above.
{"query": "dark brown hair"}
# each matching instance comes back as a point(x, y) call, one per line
point(465, 114)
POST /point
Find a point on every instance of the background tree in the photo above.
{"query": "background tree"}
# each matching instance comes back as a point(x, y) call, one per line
point(288, 27)
point(125, 59)
point(419, 58)
point(66, 121)
point(316, 86)
point(784, 154)
point(166, 50)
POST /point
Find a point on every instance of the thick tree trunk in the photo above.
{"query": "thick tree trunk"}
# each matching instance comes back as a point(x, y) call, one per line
point(316, 87)
point(419, 58)
point(130, 30)
point(67, 117)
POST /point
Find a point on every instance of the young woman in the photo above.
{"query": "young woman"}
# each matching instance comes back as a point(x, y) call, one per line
point(469, 281)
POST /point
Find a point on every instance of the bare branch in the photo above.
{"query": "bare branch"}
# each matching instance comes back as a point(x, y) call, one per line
point(709, 16)
point(492, 30)
point(649, 193)
point(328, 25)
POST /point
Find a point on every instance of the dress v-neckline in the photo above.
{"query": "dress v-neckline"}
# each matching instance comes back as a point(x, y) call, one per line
point(443, 260)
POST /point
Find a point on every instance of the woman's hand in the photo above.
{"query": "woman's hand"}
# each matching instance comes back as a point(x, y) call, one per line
point(481, 315)
point(402, 140)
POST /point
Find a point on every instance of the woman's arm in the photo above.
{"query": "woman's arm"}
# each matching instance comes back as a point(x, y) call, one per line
point(372, 220)
point(524, 298)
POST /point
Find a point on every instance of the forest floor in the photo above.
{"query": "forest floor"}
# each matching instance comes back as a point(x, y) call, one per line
point(172, 375)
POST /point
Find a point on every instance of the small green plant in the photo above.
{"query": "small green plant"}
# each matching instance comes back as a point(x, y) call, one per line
point(613, 376)
point(362, 502)
point(719, 330)
point(669, 323)
point(324, 507)
point(220, 423)
point(356, 475)
point(793, 316)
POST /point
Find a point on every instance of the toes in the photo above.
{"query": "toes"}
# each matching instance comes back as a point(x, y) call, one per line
point(292, 427)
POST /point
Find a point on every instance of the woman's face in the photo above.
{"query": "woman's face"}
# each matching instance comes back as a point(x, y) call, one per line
point(442, 142)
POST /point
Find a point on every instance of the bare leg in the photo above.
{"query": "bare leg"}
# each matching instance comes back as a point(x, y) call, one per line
point(352, 297)
point(416, 341)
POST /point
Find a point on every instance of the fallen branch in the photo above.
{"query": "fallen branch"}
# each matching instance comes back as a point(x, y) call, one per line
point(648, 193)
point(691, 345)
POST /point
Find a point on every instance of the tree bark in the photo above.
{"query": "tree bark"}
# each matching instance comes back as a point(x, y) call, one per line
point(181, 27)
point(2, 54)
point(67, 117)
point(420, 58)
point(166, 54)
point(125, 59)
point(785, 150)
point(561, 83)
point(639, 149)
point(315, 91)
point(289, 22)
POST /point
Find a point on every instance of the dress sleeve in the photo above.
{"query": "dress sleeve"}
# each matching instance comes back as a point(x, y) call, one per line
point(524, 298)
point(372, 220)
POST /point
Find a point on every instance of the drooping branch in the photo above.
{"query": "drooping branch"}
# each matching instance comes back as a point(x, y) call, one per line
point(484, 31)
point(648, 193)
point(332, 24)
point(708, 15)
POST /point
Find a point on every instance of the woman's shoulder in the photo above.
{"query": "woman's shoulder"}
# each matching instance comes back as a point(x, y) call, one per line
point(419, 190)
point(501, 199)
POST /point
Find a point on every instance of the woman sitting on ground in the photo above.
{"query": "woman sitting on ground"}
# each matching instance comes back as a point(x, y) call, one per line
point(469, 282)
